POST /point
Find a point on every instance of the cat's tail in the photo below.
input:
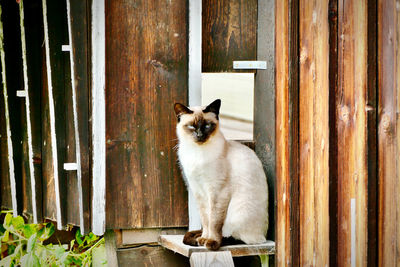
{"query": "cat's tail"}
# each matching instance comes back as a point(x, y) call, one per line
point(191, 237)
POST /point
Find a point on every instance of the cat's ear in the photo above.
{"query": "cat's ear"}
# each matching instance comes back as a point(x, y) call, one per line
point(181, 109)
point(213, 107)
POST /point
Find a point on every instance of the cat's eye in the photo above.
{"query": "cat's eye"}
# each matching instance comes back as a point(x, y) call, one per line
point(191, 127)
point(208, 126)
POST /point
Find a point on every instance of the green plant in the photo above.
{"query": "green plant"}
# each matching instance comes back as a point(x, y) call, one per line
point(22, 245)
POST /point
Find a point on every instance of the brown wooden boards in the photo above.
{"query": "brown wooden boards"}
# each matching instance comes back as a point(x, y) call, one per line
point(54, 115)
point(229, 33)
point(351, 115)
point(146, 73)
point(287, 127)
point(388, 131)
point(79, 55)
point(314, 133)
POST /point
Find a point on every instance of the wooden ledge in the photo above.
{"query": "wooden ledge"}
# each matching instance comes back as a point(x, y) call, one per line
point(174, 243)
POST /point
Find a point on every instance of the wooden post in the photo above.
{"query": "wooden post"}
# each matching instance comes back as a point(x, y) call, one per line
point(351, 111)
point(388, 131)
point(314, 133)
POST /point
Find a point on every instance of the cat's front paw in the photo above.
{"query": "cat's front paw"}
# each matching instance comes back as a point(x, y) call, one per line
point(213, 244)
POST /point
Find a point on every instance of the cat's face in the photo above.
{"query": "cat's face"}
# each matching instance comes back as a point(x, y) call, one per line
point(197, 123)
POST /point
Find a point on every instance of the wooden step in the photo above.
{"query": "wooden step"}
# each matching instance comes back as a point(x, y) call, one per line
point(174, 243)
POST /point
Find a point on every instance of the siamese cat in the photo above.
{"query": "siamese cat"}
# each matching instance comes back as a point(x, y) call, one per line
point(226, 178)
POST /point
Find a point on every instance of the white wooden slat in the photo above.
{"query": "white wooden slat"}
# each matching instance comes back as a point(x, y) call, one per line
point(194, 76)
point(28, 113)
point(210, 259)
point(8, 127)
point(52, 117)
point(67, 48)
point(22, 93)
point(98, 118)
point(75, 117)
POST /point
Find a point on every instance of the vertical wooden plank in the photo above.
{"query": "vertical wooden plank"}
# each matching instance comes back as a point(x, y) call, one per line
point(78, 41)
point(283, 196)
point(351, 117)
point(142, 80)
point(31, 116)
point(287, 191)
point(33, 39)
point(389, 80)
point(54, 21)
point(98, 129)
point(229, 33)
point(264, 102)
point(314, 133)
point(10, 150)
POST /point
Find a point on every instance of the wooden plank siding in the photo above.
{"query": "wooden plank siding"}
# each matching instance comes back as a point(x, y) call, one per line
point(146, 73)
point(314, 141)
point(388, 131)
point(78, 16)
point(351, 116)
point(55, 116)
point(31, 39)
point(229, 33)
point(287, 127)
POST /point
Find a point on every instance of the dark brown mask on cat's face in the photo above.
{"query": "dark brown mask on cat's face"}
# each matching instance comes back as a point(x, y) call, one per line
point(200, 124)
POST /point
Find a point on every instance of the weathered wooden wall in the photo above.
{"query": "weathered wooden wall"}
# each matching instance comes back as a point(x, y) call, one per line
point(229, 33)
point(146, 73)
point(389, 131)
point(359, 122)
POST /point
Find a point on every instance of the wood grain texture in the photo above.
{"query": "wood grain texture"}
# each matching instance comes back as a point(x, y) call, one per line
point(229, 33)
point(314, 133)
point(56, 24)
point(388, 131)
point(351, 115)
point(33, 24)
point(283, 196)
point(287, 127)
point(146, 72)
point(79, 15)
point(13, 82)
point(206, 259)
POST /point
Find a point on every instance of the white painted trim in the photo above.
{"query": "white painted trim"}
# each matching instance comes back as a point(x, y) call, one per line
point(22, 93)
point(249, 65)
point(28, 112)
point(98, 118)
point(8, 127)
point(76, 126)
point(67, 48)
point(194, 82)
point(195, 31)
point(52, 117)
point(71, 166)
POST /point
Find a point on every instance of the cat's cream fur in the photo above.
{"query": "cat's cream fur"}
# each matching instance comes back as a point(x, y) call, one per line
point(228, 182)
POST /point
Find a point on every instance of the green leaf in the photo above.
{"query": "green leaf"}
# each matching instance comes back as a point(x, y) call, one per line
point(78, 237)
point(59, 252)
point(7, 220)
point(30, 229)
point(6, 236)
point(46, 231)
point(7, 261)
point(31, 243)
point(18, 222)
point(30, 260)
